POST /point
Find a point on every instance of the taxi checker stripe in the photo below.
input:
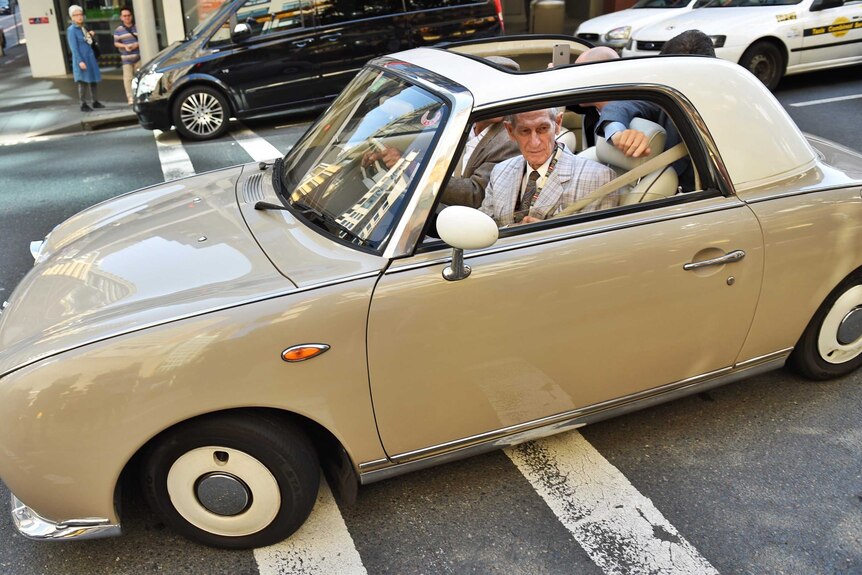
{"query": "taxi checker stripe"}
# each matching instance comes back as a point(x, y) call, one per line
point(620, 529)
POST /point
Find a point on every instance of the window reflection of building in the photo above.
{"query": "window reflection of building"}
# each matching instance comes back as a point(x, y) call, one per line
point(363, 217)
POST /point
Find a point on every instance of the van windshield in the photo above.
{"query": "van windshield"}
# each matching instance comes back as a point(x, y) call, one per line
point(212, 16)
point(351, 174)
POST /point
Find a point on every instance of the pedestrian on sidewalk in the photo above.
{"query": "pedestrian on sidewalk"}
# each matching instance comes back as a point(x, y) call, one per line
point(85, 66)
point(126, 41)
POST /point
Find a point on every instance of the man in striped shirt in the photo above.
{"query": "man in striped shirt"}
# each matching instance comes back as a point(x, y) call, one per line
point(126, 41)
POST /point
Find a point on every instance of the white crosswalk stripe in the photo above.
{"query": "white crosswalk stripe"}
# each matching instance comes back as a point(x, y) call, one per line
point(258, 148)
point(173, 156)
point(620, 529)
point(321, 546)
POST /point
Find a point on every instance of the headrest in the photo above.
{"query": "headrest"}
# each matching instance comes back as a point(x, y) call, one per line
point(572, 120)
point(607, 153)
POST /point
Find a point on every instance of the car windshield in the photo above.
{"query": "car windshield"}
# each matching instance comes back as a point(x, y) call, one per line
point(351, 174)
point(661, 4)
point(743, 3)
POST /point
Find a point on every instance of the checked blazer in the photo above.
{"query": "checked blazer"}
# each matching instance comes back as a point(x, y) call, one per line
point(574, 178)
point(468, 188)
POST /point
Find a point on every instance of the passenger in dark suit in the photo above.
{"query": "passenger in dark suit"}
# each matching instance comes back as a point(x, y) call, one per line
point(467, 185)
point(489, 144)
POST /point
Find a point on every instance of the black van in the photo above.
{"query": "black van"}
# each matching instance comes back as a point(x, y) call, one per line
point(255, 58)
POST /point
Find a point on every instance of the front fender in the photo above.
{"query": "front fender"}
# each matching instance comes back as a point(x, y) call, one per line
point(73, 421)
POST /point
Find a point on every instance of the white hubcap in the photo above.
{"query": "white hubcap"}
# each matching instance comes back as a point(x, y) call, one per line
point(831, 350)
point(197, 465)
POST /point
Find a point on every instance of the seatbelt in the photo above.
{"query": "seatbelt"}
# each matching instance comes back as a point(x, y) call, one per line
point(664, 159)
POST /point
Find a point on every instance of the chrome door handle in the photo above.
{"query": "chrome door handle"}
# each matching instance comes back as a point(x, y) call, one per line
point(731, 257)
point(300, 43)
point(331, 37)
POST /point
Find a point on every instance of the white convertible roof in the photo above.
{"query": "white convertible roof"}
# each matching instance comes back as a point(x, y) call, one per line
point(757, 140)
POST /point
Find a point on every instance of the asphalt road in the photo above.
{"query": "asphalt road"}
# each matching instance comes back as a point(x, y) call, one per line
point(760, 476)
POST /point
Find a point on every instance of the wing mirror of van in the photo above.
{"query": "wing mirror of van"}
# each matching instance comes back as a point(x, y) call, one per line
point(241, 31)
point(464, 228)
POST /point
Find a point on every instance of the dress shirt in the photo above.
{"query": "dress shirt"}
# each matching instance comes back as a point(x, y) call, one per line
point(471, 144)
point(543, 173)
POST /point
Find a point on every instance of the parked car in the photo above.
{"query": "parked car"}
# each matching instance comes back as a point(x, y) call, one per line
point(616, 28)
point(771, 38)
point(224, 335)
point(251, 59)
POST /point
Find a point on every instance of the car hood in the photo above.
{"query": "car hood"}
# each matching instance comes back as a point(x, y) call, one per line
point(637, 18)
point(711, 21)
point(156, 255)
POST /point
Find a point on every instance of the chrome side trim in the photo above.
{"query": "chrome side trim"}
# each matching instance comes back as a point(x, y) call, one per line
point(33, 526)
point(528, 243)
point(372, 465)
point(781, 353)
point(803, 192)
point(475, 445)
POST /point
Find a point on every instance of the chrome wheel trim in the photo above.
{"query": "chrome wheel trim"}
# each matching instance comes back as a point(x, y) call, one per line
point(193, 466)
point(201, 113)
point(830, 349)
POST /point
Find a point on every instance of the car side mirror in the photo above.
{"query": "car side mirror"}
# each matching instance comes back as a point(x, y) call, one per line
point(241, 32)
point(825, 4)
point(464, 228)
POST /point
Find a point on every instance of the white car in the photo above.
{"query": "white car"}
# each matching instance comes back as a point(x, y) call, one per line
point(615, 29)
point(771, 38)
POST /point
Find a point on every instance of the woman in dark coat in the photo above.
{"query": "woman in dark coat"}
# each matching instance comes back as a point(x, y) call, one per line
point(85, 67)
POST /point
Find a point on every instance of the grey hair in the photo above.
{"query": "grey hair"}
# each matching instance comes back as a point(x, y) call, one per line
point(552, 114)
point(74, 9)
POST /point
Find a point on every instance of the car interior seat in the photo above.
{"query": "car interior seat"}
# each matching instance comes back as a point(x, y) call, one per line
point(571, 131)
point(661, 183)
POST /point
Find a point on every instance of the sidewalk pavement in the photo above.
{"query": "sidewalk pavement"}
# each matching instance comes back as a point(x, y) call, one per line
point(32, 107)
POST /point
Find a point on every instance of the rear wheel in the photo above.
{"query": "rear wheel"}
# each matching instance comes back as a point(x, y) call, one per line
point(232, 481)
point(201, 113)
point(831, 345)
point(764, 60)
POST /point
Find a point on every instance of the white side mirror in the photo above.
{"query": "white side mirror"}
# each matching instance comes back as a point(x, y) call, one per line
point(464, 228)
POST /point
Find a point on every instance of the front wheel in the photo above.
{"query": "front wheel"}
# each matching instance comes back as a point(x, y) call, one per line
point(232, 481)
point(201, 113)
point(831, 345)
point(765, 61)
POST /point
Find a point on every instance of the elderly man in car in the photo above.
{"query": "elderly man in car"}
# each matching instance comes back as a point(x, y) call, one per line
point(545, 178)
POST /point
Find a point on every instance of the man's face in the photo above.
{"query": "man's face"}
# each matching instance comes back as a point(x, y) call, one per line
point(126, 17)
point(78, 17)
point(535, 133)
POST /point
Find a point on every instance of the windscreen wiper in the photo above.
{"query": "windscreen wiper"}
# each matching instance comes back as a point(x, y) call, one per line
point(325, 219)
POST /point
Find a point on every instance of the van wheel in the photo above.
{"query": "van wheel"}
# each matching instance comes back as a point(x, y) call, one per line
point(831, 345)
point(201, 113)
point(765, 61)
point(232, 481)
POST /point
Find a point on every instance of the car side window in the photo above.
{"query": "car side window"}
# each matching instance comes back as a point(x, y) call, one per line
point(637, 156)
point(263, 17)
point(416, 5)
point(335, 11)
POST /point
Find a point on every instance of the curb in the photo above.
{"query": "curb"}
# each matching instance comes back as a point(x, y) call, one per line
point(93, 122)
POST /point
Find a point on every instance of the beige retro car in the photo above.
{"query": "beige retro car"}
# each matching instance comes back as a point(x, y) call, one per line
point(225, 336)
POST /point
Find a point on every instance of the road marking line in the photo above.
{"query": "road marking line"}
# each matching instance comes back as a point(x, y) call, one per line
point(173, 156)
point(322, 545)
point(826, 101)
point(620, 529)
point(259, 149)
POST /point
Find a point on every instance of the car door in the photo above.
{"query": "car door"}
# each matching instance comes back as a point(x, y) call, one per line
point(554, 321)
point(831, 33)
point(273, 67)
